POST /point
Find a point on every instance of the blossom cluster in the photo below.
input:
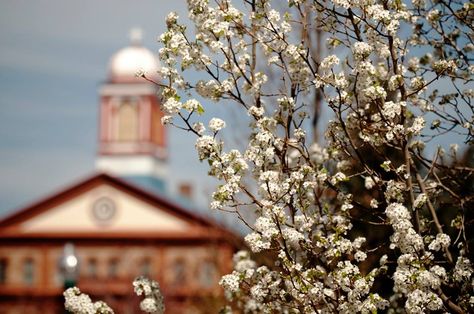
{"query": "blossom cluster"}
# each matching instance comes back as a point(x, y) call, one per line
point(80, 303)
point(153, 301)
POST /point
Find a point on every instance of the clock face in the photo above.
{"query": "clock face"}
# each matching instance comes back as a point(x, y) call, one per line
point(103, 210)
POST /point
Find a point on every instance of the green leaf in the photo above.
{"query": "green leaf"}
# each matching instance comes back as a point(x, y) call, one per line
point(200, 109)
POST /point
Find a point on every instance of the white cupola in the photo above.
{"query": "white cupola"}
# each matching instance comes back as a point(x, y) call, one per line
point(125, 63)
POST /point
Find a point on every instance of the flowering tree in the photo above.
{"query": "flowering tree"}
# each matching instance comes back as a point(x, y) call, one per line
point(396, 66)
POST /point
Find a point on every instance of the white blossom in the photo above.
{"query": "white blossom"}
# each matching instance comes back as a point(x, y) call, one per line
point(420, 200)
point(216, 124)
point(79, 303)
point(153, 301)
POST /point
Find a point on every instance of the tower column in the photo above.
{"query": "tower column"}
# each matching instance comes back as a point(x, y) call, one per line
point(131, 140)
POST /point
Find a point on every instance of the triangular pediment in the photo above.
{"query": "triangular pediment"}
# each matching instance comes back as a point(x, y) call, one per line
point(103, 205)
point(104, 209)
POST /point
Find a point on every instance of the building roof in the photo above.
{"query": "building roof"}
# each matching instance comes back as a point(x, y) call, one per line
point(181, 222)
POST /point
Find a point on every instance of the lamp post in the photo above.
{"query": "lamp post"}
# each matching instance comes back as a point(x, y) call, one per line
point(69, 265)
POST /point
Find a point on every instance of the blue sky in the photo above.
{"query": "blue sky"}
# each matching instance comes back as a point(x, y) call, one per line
point(53, 57)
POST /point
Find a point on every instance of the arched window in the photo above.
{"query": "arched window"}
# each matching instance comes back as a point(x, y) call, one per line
point(28, 272)
point(145, 267)
point(113, 268)
point(207, 274)
point(179, 272)
point(127, 122)
point(92, 268)
point(3, 270)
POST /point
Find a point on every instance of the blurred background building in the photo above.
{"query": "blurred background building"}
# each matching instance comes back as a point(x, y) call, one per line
point(103, 231)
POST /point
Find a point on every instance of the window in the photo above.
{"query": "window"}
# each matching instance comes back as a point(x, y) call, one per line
point(113, 268)
point(127, 122)
point(3, 270)
point(207, 274)
point(179, 272)
point(28, 272)
point(92, 268)
point(145, 267)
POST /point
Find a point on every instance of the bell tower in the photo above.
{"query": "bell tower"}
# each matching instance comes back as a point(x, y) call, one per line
point(132, 140)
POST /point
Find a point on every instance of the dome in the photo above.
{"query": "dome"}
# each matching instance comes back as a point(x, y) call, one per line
point(125, 63)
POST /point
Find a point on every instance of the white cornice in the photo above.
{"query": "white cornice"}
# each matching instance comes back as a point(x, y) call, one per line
point(132, 165)
point(127, 89)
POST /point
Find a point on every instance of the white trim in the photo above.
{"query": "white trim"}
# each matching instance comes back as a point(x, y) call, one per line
point(132, 166)
point(147, 120)
point(128, 89)
point(133, 147)
point(102, 120)
point(114, 106)
point(142, 118)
